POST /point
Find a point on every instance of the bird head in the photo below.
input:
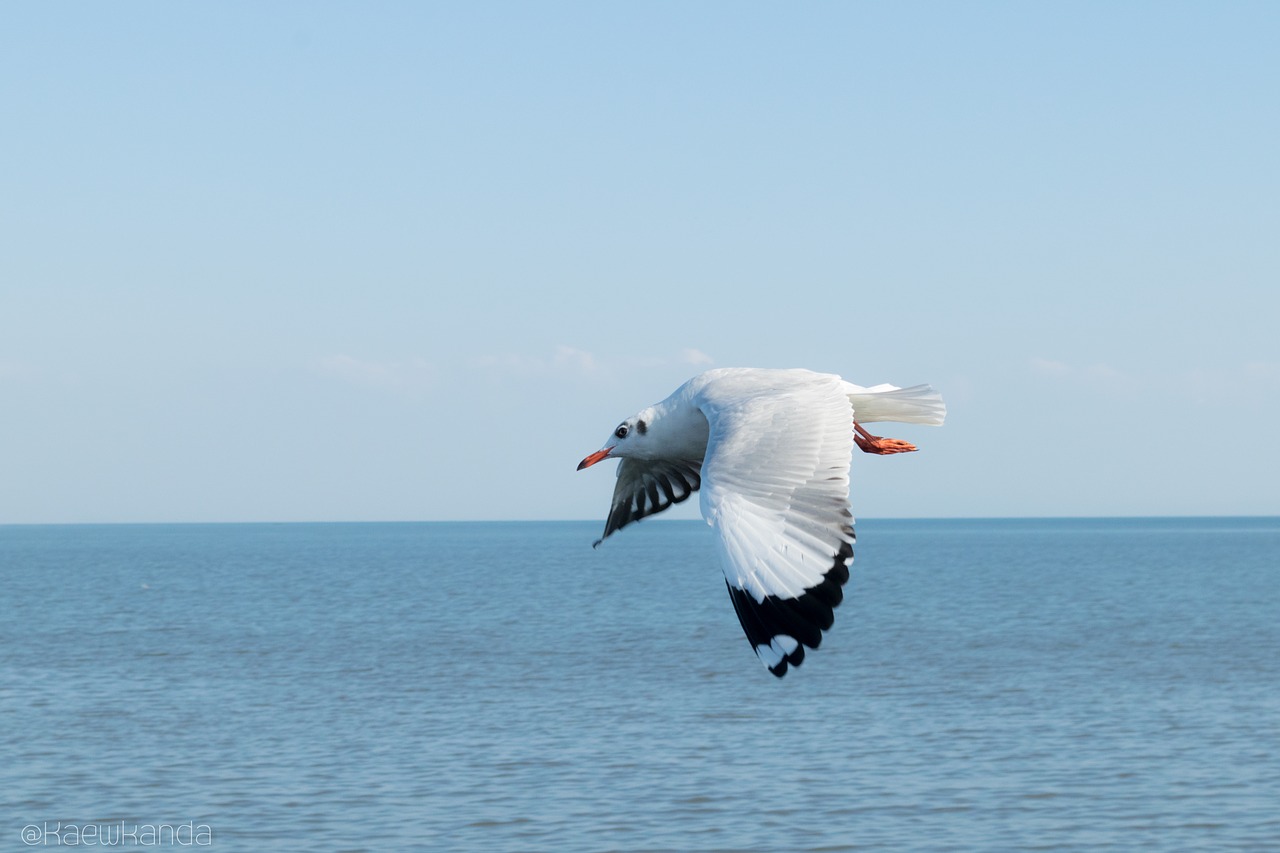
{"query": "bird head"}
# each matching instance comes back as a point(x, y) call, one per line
point(629, 438)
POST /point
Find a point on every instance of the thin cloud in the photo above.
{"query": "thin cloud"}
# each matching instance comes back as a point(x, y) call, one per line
point(1097, 372)
point(563, 359)
point(1049, 367)
point(1104, 373)
point(1227, 387)
point(1097, 375)
point(409, 375)
point(569, 358)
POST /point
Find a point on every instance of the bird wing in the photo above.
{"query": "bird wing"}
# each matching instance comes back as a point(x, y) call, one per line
point(776, 490)
point(646, 487)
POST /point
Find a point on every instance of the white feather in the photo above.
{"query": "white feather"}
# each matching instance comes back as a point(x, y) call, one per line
point(919, 404)
point(776, 476)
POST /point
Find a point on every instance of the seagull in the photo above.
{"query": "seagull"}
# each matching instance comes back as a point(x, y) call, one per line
point(770, 450)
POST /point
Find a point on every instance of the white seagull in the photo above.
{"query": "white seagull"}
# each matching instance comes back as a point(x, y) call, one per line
point(770, 450)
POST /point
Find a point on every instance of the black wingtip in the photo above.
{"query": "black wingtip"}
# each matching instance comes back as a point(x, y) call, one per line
point(793, 659)
point(801, 619)
point(596, 544)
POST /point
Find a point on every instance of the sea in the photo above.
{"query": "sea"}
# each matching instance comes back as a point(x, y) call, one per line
point(989, 685)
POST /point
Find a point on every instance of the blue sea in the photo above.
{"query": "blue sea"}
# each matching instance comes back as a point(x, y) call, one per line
point(991, 685)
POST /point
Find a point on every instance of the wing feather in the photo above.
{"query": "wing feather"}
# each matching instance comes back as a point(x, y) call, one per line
point(646, 487)
point(776, 489)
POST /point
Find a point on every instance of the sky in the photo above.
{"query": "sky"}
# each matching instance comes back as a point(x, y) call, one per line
point(413, 261)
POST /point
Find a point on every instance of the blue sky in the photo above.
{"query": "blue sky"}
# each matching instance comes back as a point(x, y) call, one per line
point(322, 261)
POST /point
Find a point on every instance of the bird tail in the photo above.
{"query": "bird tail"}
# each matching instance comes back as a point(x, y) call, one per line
point(919, 404)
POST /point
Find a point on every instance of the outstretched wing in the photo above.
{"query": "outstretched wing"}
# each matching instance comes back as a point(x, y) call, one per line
point(776, 489)
point(645, 487)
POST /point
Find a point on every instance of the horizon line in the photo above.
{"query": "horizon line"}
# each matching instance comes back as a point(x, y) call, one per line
point(1170, 516)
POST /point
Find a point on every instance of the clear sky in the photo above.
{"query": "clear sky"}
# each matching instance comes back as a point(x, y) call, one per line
point(361, 261)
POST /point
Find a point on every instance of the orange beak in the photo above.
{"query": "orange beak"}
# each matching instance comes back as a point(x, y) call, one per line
point(594, 458)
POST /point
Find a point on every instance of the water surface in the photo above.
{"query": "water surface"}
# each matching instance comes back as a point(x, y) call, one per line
point(1099, 685)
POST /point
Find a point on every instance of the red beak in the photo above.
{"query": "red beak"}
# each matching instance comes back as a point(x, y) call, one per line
point(594, 458)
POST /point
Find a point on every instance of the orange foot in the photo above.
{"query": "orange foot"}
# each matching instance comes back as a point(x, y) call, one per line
point(882, 446)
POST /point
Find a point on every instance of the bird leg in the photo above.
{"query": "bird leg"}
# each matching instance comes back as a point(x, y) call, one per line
point(881, 446)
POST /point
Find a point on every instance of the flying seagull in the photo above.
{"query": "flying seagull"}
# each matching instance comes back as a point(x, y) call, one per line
point(770, 450)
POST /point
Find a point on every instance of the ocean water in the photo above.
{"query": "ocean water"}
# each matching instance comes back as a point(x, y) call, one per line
point(1049, 685)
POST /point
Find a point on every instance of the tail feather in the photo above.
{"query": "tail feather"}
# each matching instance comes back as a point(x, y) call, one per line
point(919, 404)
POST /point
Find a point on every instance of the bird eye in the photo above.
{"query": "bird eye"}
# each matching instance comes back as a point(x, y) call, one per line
point(621, 432)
